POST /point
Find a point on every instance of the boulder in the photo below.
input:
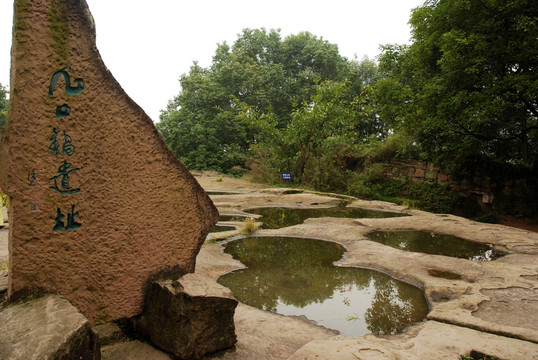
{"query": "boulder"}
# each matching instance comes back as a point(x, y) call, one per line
point(190, 317)
point(100, 207)
point(46, 328)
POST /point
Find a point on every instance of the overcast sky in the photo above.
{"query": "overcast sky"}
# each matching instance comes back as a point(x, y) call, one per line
point(148, 45)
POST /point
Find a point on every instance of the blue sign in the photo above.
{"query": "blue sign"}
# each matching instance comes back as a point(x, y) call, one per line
point(286, 176)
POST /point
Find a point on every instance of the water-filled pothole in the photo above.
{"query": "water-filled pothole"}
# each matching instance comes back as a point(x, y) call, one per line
point(295, 276)
point(210, 192)
point(435, 244)
point(219, 228)
point(233, 217)
point(276, 217)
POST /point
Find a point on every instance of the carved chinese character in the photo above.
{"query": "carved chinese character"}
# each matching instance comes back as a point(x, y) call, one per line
point(54, 145)
point(63, 111)
point(69, 89)
point(68, 148)
point(31, 178)
point(71, 223)
point(63, 178)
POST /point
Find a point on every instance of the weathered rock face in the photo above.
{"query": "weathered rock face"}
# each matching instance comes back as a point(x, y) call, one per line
point(100, 207)
point(190, 317)
point(46, 328)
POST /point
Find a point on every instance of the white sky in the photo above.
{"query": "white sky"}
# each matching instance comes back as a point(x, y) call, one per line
point(148, 45)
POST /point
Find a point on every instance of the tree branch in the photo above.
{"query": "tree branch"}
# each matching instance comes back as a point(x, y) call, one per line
point(530, 107)
point(464, 131)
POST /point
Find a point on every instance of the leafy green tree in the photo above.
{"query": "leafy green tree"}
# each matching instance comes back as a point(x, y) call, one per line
point(467, 86)
point(3, 105)
point(199, 125)
point(261, 71)
point(321, 138)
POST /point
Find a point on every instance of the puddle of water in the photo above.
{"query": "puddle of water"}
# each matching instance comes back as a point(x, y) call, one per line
point(435, 244)
point(292, 192)
point(219, 228)
point(276, 218)
point(221, 193)
point(232, 217)
point(294, 276)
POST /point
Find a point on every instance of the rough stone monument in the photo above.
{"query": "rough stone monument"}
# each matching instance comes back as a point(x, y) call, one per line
point(99, 206)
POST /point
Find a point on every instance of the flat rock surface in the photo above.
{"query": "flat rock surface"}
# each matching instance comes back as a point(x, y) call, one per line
point(497, 299)
point(265, 335)
point(428, 340)
point(132, 350)
point(45, 328)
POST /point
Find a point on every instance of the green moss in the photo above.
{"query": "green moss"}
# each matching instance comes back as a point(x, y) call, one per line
point(59, 29)
point(20, 17)
point(475, 355)
point(101, 315)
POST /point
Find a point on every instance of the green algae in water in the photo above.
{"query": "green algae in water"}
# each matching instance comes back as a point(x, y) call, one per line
point(219, 228)
point(209, 192)
point(435, 244)
point(294, 276)
point(232, 217)
point(276, 218)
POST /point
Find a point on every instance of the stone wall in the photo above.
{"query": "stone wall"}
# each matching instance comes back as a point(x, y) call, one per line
point(514, 192)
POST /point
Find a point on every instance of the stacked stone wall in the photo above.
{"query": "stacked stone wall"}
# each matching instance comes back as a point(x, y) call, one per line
point(515, 192)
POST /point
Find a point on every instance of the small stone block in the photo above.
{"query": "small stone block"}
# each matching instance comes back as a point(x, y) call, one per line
point(442, 178)
point(431, 175)
point(190, 317)
point(109, 333)
point(419, 173)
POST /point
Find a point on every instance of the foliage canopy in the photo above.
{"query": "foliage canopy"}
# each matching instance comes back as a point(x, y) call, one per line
point(463, 93)
point(467, 86)
point(201, 125)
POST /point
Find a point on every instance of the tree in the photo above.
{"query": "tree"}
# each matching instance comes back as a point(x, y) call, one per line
point(467, 85)
point(322, 136)
point(261, 71)
point(3, 105)
point(199, 124)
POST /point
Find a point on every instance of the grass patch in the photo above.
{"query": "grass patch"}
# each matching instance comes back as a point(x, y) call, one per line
point(475, 355)
point(249, 226)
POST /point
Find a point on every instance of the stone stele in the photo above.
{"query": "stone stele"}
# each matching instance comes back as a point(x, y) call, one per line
point(99, 206)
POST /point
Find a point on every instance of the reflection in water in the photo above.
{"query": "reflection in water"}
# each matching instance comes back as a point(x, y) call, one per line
point(276, 218)
point(219, 228)
point(232, 217)
point(294, 276)
point(436, 244)
point(210, 192)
